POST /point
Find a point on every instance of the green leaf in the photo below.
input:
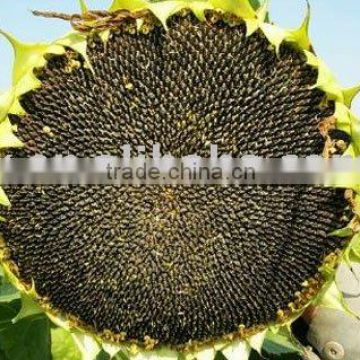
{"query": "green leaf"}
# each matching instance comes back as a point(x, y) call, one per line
point(273, 356)
point(7, 312)
point(104, 356)
point(219, 356)
point(279, 344)
point(276, 351)
point(8, 293)
point(355, 248)
point(28, 339)
point(63, 346)
point(345, 232)
point(29, 308)
point(255, 4)
point(120, 356)
point(3, 356)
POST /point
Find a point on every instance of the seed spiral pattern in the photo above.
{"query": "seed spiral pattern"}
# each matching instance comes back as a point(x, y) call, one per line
point(173, 263)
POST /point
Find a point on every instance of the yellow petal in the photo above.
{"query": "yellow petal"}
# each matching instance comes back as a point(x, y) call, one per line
point(241, 8)
point(6, 99)
point(350, 94)
point(131, 5)
point(83, 6)
point(7, 137)
point(27, 56)
point(301, 36)
point(3, 198)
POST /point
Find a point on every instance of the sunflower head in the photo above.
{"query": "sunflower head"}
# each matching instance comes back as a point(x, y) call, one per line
point(168, 271)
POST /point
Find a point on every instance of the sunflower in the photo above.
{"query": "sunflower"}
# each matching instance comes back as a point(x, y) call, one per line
point(168, 272)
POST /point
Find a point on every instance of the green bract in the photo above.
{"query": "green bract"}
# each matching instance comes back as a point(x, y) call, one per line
point(73, 342)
